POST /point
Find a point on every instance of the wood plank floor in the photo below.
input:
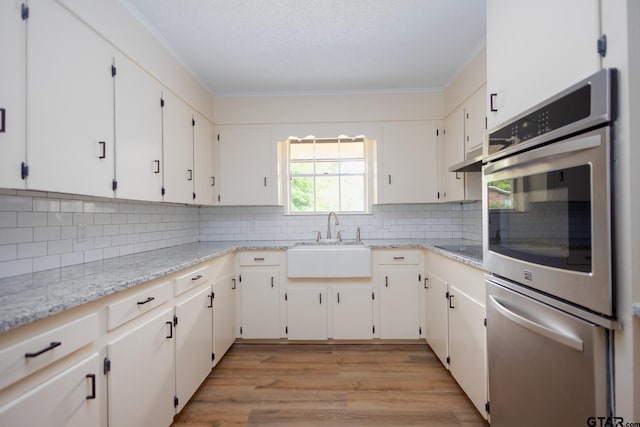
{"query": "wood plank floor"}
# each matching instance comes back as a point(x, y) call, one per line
point(329, 385)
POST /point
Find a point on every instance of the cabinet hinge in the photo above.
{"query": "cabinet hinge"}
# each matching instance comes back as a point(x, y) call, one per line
point(286, 330)
point(218, 197)
point(113, 71)
point(194, 196)
point(485, 321)
point(25, 12)
point(602, 45)
point(438, 194)
point(487, 408)
point(240, 278)
point(240, 330)
point(161, 102)
point(114, 185)
point(437, 132)
point(175, 401)
point(446, 295)
point(24, 170)
point(163, 191)
point(213, 295)
point(486, 123)
point(175, 320)
point(106, 366)
point(285, 296)
point(213, 357)
point(419, 277)
point(448, 360)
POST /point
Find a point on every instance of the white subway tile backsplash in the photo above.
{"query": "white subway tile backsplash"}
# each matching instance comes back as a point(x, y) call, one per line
point(16, 204)
point(46, 262)
point(8, 219)
point(71, 258)
point(71, 206)
point(46, 205)
point(16, 235)
point(8, 252)
point(59, 218)
point(32, 219)
point(93, 255)
point(13, 268)
point(59, 247)
point(32, 250)
point(46, 233)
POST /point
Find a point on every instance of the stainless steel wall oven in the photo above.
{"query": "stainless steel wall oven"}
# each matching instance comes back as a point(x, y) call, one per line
point(547, 213)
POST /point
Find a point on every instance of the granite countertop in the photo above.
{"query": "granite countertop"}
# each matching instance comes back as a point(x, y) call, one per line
point(30, 297)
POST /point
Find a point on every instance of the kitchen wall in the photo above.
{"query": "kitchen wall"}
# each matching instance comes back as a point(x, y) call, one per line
point(40, 231)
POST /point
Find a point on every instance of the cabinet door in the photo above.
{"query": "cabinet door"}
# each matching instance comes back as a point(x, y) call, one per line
point(224, 316)
point(69, 399)
point(352, 313)
point(138, 133)
point(247, 167)
point(69, 104)
point(307, 314)
point(528, 62)
point(467, 346)
point(205, 160)
point(141, 382)
point(177, 148)
point(12, 94)
point(452, 152)
point(194, 334)
point(399, 304)
point(260, 303)
point(410, 163)
point(475, 113)
point(436, 310)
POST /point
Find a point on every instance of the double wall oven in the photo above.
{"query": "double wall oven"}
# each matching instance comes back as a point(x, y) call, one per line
point(547, 213)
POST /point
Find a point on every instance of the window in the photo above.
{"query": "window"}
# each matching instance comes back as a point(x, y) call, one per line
point(327, 174)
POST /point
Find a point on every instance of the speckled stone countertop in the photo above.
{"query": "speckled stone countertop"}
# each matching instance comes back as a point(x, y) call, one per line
point(30, 297)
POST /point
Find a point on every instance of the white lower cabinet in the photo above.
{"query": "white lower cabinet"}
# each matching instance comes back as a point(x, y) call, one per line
point(467, 346)
point(141, 380)
point(260, 303)
point(70, 399)
point(194, 333)
point(307, 313)
point(352, 313)
point(436, 328)
point(399, 303)
point(224, 316)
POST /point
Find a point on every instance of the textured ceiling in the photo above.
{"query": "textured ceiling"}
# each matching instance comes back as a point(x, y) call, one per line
point(256, 47)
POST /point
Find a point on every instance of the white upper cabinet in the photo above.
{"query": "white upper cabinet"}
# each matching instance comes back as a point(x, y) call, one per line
point(178, 124)
point(409, 172)
point(12, 87)
point(70, 106)
point(536, 49)
point(138, 125)
point(450, 152)
point(247, 166)
point(205, 149)
point(475, 114)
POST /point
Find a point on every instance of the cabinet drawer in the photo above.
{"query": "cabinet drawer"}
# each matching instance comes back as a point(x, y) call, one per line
point(31, 355)
point(258, 258)
point(191, 279)
point(399, 257)
point(131, 307)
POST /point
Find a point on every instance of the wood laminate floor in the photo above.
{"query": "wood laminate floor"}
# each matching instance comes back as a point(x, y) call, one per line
point(329, 385)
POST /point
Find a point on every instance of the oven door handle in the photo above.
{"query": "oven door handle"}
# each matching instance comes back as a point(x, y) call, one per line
point(570, 146)
point(557, 336)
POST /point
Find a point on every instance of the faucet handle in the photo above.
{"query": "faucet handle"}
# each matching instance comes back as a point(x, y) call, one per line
point(358, 239)
point(318, 235)
point(339, 235)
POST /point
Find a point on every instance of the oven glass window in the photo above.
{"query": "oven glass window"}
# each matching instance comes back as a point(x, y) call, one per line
point(543, 218)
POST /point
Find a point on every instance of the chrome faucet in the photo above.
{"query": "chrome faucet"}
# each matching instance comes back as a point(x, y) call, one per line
point(329, 223)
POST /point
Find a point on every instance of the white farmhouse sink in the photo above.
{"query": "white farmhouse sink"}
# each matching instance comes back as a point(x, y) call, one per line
point(329, 261)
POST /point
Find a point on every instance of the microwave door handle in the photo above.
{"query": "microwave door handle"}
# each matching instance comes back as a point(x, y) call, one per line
point(557, 336)
point(555, 149)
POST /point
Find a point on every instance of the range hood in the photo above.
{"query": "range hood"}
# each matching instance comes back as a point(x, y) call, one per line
point(472, 162)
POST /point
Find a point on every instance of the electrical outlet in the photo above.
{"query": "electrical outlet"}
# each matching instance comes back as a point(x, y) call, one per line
point(81, 235)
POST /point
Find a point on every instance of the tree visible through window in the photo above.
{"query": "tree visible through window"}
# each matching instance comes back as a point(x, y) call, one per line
point(327, 175)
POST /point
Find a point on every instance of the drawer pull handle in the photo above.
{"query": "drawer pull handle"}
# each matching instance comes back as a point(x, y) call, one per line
point(198, 277)
point(234, 283)
point(103, 148)
point(92, 377)
point(451, 301)
point(386, 281)
point(146, 301)
point(258, 259)
point(51, 346)
point(170, 329)
point(398, 258)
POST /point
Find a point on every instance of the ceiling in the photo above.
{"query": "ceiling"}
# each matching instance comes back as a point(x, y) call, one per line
point(265, 47)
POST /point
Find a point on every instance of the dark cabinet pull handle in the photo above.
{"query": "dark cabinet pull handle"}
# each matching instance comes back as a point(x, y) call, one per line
point(103, 146)
point(258, 259)
point(156, 166)
point(265, 181)
point(210, 296)
point(234, 283)
point(170, 329)
point(492, 99)
point(398, 258)
point(51, 346)
point(389, 179)
point(272, 281)
point(190, 171)
point(213, 181)
point(149, 299)
point(386, 281)
point(458, 175)
point(3, 115)
point(338, 297)
point(92, 377)
point(198, 277)
point(320, 298)
point(426, 280)
point(451, 301)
